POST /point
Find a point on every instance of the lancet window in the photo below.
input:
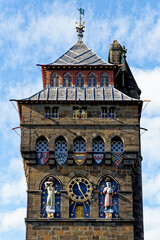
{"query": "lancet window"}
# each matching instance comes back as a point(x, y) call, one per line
point(61, 150)
point(51, 112)
point(54, 80)
point(79, 145)
point(108, 112)
point(98, 145)
point(79, 80)
point(98, 149)
point(67, 80)
point(92, 80)
point(42, 150)
point(104, 80)
point(117, 150)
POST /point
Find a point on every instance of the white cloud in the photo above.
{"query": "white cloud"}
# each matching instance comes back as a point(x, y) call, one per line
point(151, 188)
point(13, 191)
point(151, 142)
point(151, 220)
point(12, 220)
point(51, 31)
point(13, 184)
point(148, 81)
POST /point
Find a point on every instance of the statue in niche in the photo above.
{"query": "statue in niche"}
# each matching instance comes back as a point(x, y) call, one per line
point(50, 206)
point(108, 191)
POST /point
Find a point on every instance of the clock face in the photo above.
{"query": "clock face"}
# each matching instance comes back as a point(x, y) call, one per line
point(79, 189)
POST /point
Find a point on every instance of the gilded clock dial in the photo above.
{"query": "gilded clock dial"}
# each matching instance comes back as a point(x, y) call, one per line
point(79, 189)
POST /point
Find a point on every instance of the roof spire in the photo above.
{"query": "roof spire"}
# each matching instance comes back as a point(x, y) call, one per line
point(80, 27)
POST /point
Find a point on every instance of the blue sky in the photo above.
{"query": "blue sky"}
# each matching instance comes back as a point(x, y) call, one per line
point(39, 31)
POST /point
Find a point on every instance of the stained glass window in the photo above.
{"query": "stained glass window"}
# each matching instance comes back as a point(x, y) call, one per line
point(104, 112)
point(61, 151)
point(55, 112)
point(116, 145)
point(92, 80)
point(117, 151)
point(67, 80)
point(104, 80)
point(42, 146)
point(47, 112)
point(54, 80)
point(111, 112)
point(42, 150)
point(108, 112)
point(79, 80)
point(98, 145)
point(79, 145)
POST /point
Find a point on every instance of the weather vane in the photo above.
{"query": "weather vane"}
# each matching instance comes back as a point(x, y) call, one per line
point(80, 27)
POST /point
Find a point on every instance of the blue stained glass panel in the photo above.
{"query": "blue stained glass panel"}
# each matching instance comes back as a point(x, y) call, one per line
point(57, 200)
point(86, 205)
point(115, 206)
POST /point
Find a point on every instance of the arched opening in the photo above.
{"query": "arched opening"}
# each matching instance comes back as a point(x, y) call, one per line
point(98, 149)
point(67, 80)
point(108, 198)
point(61, 150)
point(117, 151)
point(42, 150)
point(79, 80)
point(54, 80)
point(79, 149)
point(51, 198)
point(104, 80)
point(92, 80)
point(80, 190)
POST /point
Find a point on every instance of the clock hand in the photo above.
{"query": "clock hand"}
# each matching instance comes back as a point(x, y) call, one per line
point(80, 189)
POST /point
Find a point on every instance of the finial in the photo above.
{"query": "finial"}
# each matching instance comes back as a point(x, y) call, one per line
point(80, 27)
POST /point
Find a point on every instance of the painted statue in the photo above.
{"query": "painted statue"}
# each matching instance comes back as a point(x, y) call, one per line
point(50, 206)
point(108, 191)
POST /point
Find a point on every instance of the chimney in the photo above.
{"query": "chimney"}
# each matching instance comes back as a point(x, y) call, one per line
point(115, 53)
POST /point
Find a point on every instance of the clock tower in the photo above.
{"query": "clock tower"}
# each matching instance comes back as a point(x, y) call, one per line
point(80, 145)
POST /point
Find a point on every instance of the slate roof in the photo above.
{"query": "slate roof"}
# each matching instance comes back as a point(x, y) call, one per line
point(80, 54)
point(76, 93)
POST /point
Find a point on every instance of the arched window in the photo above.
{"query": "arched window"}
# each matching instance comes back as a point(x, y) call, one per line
point(42, 150)
point(98, 149)
point(104, 80)
point(54, 80)
point(92, 80)
point(67, 80)
point(79, 190)
point(112, 112)
point(51, 205)
point(61, 151)
point(79, 145)
point(117, 151)
point(79, 80)
point(108, 205)
point(79, 149)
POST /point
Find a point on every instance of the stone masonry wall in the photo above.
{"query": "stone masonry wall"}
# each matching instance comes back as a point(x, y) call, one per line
point(126, 126)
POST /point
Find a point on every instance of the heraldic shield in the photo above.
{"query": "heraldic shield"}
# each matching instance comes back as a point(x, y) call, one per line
point(79, 157)
point(61, 152)
point(117, 157)
point(61, 157)
point(98, 158)
point(42, 157)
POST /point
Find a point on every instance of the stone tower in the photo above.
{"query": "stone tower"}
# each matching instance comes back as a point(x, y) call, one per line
point(80, 145)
